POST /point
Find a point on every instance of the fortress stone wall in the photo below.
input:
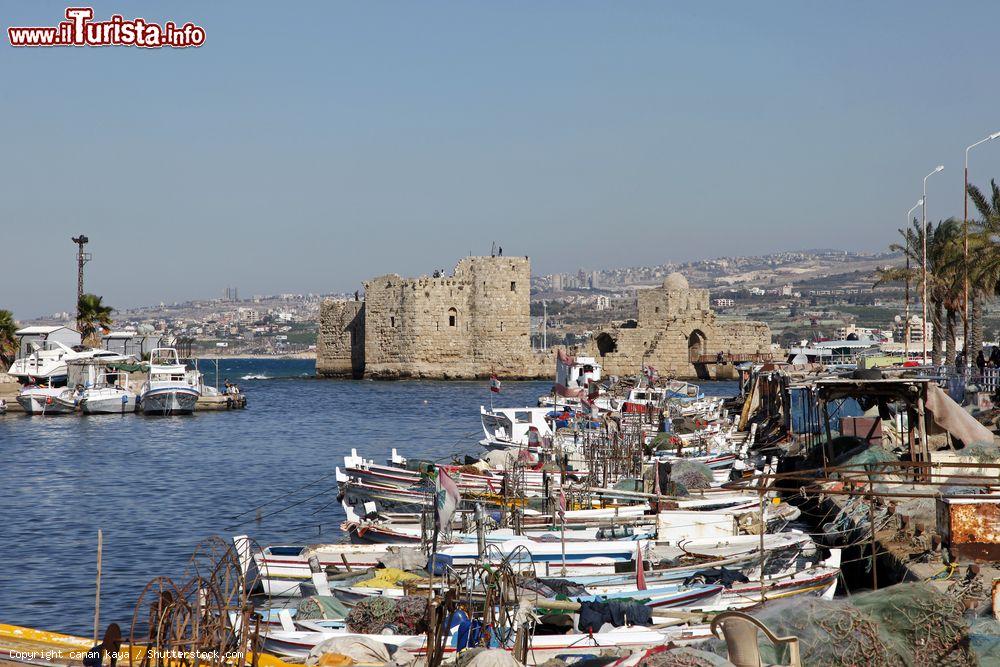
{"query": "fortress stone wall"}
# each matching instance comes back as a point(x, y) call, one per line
point(467, 325)
point(477, 322)
point(340, 341)
point(674, 329)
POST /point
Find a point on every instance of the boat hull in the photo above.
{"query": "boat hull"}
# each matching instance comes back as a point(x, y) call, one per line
point(105, 405)
point(169, 401)
point(45, 404)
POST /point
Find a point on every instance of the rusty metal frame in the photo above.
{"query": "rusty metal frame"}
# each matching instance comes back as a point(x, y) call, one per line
point(857, 479)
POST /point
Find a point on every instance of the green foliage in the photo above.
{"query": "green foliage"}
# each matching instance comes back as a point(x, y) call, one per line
point(944, 272)
point(8, 341)
point(93, 315)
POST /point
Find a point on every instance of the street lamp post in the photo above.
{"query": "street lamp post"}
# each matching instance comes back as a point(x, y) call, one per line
point(965, 253)
point(906, 322)
point(923, 270)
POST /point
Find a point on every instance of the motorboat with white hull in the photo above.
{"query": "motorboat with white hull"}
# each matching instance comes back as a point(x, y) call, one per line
point(42, 400)
point(171, 388)
point(47, 363)
point(110, 399)
point(101, 385)
point(514, 428)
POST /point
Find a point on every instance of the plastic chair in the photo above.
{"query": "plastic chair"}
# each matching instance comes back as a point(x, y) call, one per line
point(740, 633)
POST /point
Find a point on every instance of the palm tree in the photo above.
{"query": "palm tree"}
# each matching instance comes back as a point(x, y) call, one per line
point(944, 255)
point(92, 316)
point(8, 341)
point(943, 293)
point(984, 273)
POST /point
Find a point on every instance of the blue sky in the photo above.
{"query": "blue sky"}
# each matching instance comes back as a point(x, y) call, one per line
point(309, 147)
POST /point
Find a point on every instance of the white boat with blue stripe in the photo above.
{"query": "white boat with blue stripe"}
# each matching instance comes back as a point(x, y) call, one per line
point(171, 388)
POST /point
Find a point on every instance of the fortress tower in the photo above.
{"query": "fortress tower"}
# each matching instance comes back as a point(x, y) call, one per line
point(675, 331)
point(467, 325)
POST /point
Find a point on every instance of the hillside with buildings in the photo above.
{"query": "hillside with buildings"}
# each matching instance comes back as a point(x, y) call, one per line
point(801, 295)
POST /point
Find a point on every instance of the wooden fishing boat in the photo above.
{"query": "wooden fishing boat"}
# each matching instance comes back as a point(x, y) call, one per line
point(283, 568)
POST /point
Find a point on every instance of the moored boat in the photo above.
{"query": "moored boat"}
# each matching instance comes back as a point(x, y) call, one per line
point(171, 388)
point(44, 400)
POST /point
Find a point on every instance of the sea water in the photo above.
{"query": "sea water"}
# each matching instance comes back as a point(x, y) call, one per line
point(157, 486)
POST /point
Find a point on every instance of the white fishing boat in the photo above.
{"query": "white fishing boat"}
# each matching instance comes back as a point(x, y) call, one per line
point(111, 394)
point(45, 400)
point(574, 376)
point(514, 427)
point(740, 545)
point(385, 530)
point(171, 388)
point(283, 568)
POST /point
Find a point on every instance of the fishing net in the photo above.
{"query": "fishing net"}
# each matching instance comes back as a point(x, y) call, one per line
point(919, 510)
point(405, 615)
point(872, 454)
point(982, 452)
point(692, 475)
point(387, 577)
point(663, 441)
point(906, 624)
point(486, 657)
point(985, 641)
point(685, 656)
point(321, 607)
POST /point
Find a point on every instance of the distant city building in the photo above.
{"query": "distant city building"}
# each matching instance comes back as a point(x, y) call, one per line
point(557, 282)
point(724, 303)
point(916, 330)
point(595, 280)
point(603, 302)
point(852, 332)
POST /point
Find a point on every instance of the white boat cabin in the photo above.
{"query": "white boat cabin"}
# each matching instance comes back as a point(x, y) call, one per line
point(94, 372)
point(511, 425)
point(166, 368)
point(576, 376)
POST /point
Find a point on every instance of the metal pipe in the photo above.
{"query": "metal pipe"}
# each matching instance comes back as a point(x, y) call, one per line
point(906, 311)
point(923, 299)
point(965, 253)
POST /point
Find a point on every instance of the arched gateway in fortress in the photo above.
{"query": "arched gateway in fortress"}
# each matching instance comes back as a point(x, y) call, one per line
point(676, 328)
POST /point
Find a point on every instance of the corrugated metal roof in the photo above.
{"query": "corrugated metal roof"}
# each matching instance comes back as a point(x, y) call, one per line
point(39, 329)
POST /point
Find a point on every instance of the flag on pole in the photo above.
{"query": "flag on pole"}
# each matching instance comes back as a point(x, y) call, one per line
point(640, 572)
point(534, 439)
point(562, 506)
point(494, 384)
point(447, 498)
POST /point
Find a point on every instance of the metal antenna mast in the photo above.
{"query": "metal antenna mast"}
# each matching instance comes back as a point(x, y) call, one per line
point(81, 259)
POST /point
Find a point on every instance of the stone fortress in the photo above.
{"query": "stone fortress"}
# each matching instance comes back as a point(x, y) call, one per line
point(476, 322)
point(468, 325)
point(677, 333)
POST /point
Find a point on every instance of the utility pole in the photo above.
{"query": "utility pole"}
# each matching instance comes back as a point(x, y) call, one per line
point(81, 259)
